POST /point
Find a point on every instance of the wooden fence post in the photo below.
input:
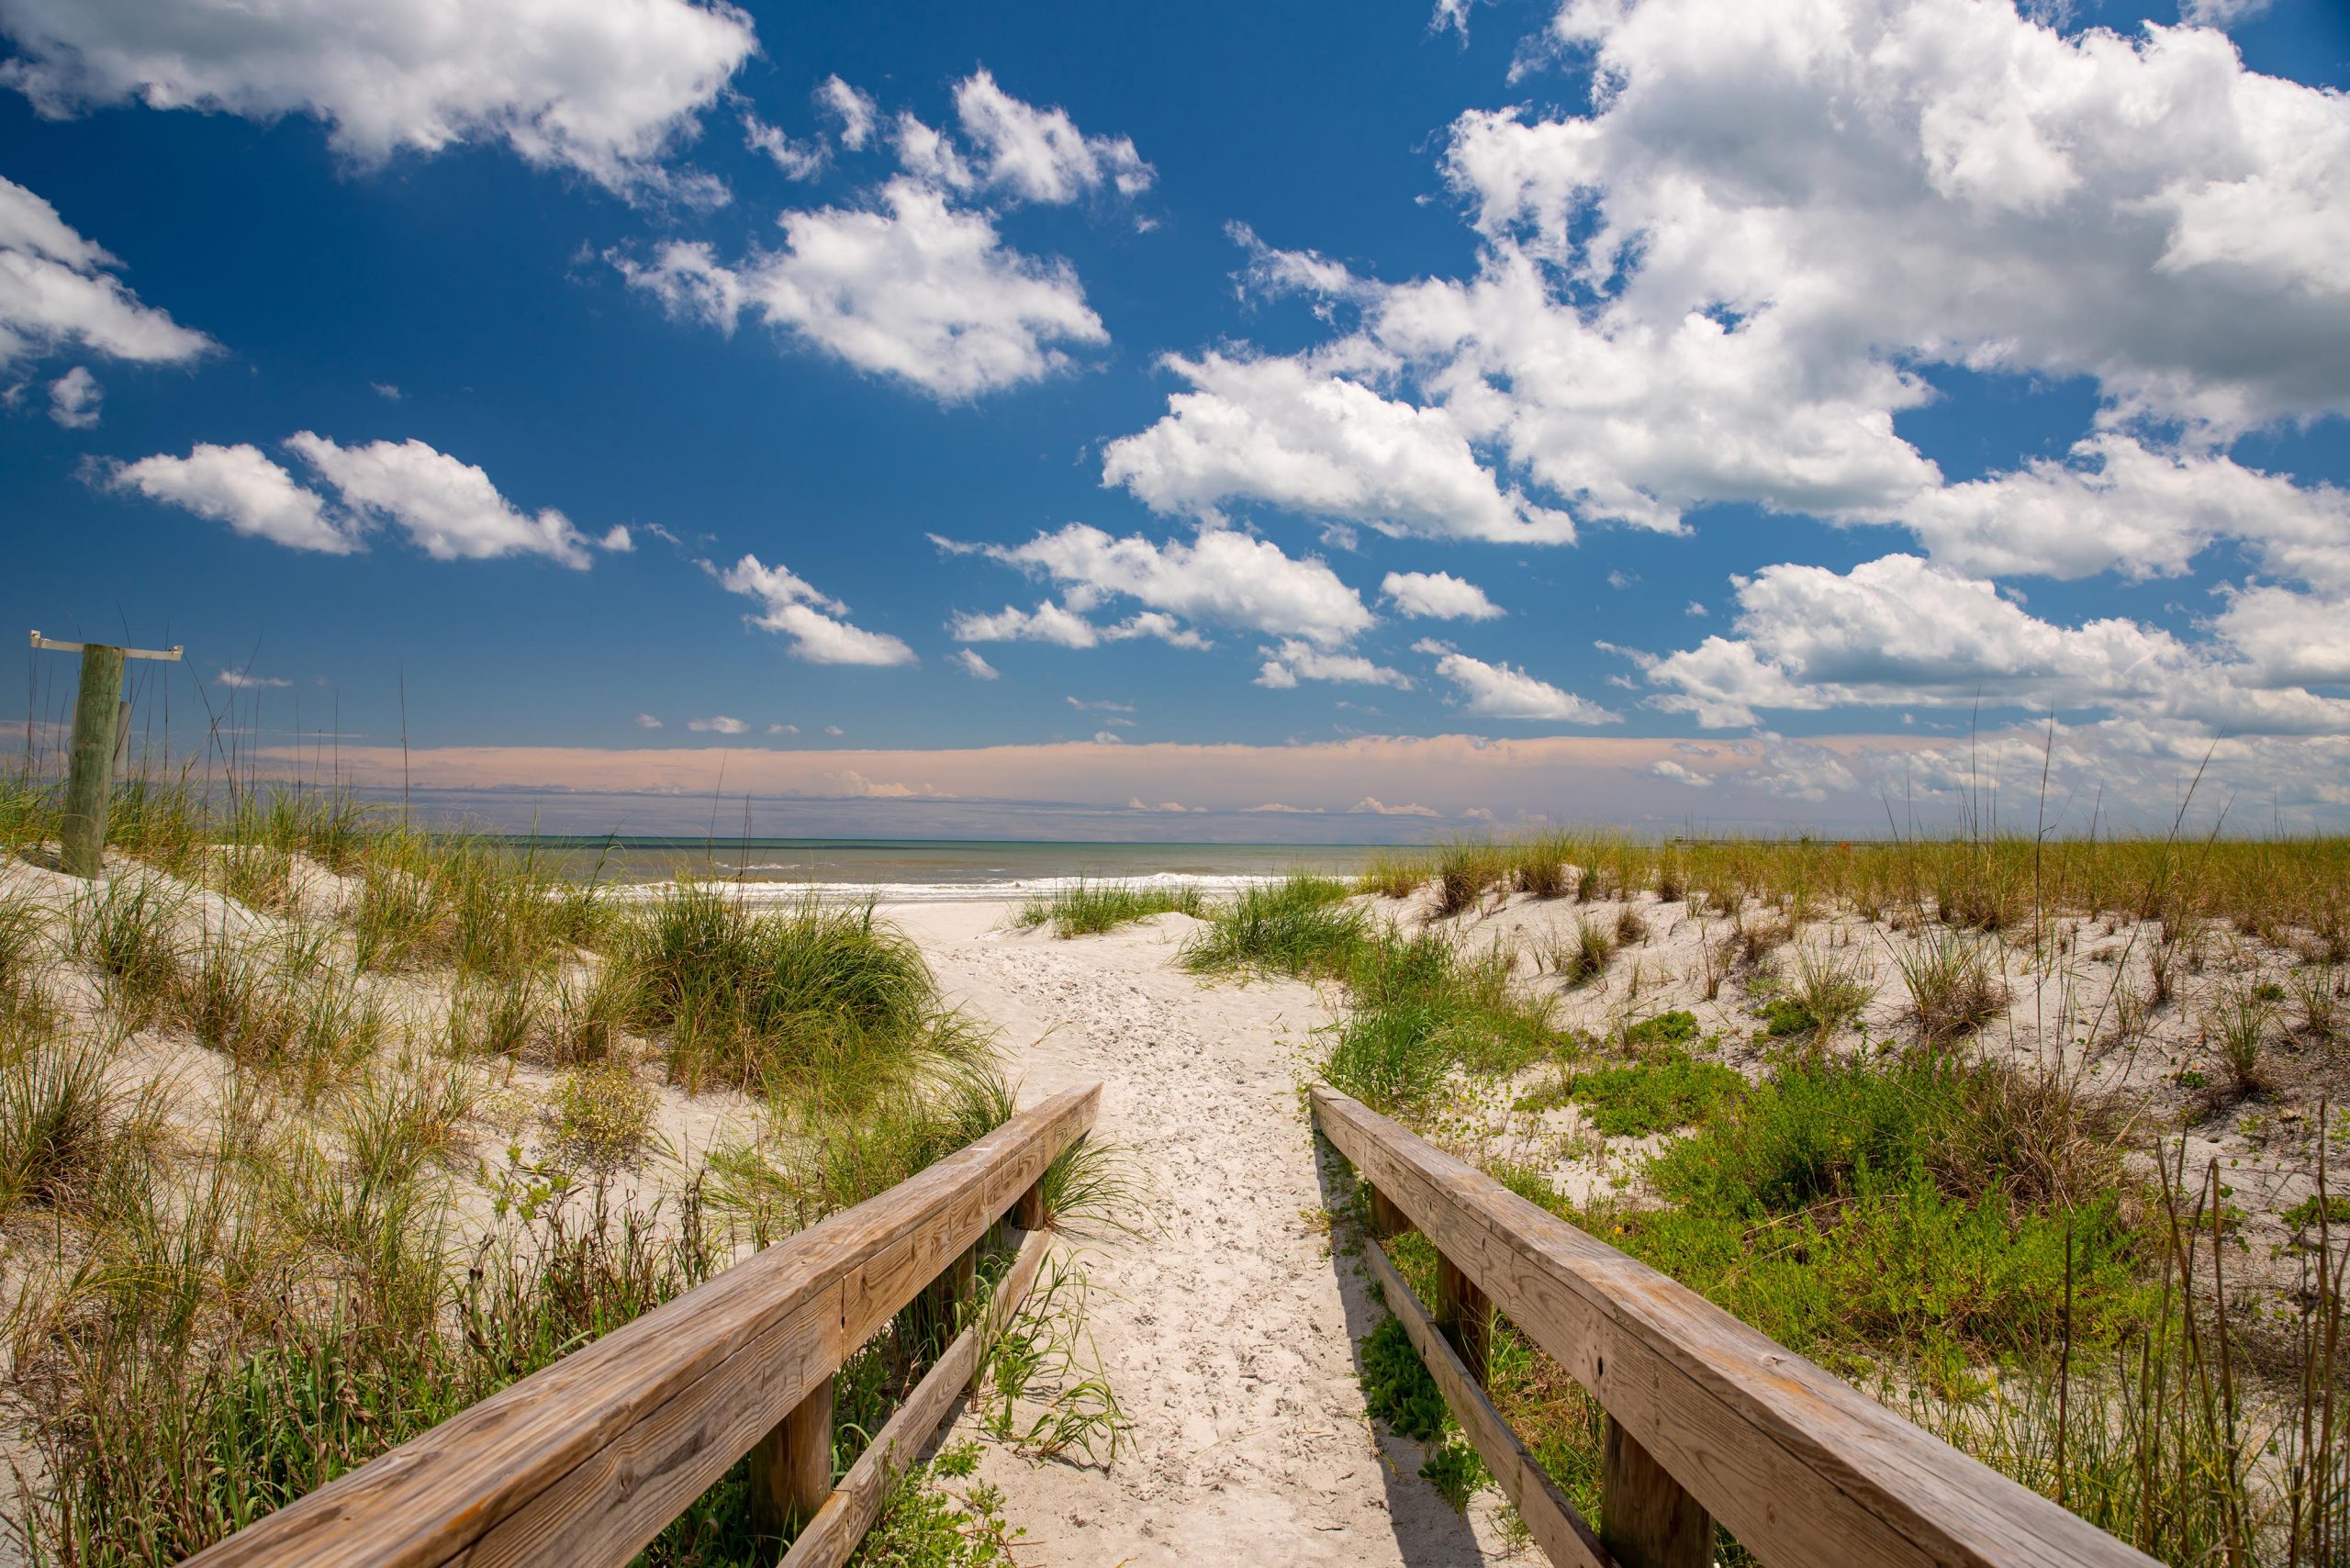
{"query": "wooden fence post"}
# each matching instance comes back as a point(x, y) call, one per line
point(1385, 1218)
point(1646, 1518)
point(89, 782)
point(1461, 1309)
point(1030, 1214)
point(791, 1468)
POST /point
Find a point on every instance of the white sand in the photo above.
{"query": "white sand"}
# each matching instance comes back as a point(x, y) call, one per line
point(1227, 1330)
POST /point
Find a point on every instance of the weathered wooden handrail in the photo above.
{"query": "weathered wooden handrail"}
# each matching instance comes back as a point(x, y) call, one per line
point(586, 1461)
point(1705, 1415)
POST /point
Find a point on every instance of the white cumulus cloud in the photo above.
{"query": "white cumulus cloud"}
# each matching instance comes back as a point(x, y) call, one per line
point(606, 87)
point(916, 283)
point(1293, 661)
point(58, 288)
point(1039, 155)
point(75, 400)
point(241, 487)
point(915, 288)
point(1221, 577)
point(447, 507)
point(720, 724)
point(1904, 631)
point(1289, 433)
point(816, 623)
point(1438, 596)
point(1504, 691)
point(969, 661)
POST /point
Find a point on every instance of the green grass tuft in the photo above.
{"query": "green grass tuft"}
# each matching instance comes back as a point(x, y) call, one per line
point(1300, 926)
point(1088, 909)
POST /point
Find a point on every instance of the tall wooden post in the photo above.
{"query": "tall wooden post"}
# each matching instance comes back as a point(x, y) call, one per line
point(89, 782)
point(1645, 1516)
point(101, 728)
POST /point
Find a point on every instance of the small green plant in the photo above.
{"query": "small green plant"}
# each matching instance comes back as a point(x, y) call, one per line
point(2239, 1025)
point(127, 932)
point(1453, 1468)
point(1584, 957)
point(60, 1120)
point(1955, 984)
point(924, 1523)
point(1660, 1095)
point(1831, 990)
point(594, 1011)
point(2317, 995)
point(1396, 1387)
point(1677, 1027)
point(600, 1119)
point(2305, 1215)
point(1463, 873)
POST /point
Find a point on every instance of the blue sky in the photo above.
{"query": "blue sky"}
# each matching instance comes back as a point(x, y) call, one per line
point(1028, 423)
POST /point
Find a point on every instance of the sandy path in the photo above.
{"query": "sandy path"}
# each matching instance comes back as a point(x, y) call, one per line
point(1227, 1331)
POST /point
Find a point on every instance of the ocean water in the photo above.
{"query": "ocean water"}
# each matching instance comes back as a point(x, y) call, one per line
point(938, 871)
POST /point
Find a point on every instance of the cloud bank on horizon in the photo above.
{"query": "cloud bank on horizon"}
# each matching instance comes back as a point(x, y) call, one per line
point(1988, 376)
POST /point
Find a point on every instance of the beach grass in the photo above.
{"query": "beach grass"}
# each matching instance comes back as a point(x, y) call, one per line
point(1301, 926)
point(1972, 1234)
point(240, 1273)
point(1088, 908)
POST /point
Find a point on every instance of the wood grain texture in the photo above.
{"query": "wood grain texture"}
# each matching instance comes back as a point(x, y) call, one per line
point(791, 1467)
point(1647, 1518)
point(1462, 1311)
point(1385, 1218)
point(1550, 1519)
point(588, 1460)
point(1801, 1467)
point(1030, 1213)
point(831, 1537)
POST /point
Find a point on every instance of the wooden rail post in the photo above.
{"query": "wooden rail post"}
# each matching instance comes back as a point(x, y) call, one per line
point(97, 706)
point(791, 1468)
point(101, 731)
point(1385, 1218)
point(1030, 1214)
point(1462, 1311)
point(1646, 1518)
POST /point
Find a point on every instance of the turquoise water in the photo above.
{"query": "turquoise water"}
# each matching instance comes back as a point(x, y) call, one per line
point(900, 870)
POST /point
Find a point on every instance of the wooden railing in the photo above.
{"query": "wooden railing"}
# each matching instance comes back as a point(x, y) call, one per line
point(586, 1461)
point(1705, 1419)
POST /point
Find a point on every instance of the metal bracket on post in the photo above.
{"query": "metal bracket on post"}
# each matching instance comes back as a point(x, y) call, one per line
point(101, 724)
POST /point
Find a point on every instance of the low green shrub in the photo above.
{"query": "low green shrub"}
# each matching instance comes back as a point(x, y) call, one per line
point(1661, 1095)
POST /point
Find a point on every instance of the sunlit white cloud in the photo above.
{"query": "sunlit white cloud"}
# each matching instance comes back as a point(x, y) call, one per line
point(605, 87)
point(815, 623)
point(75, 400)
point(1438, 596)
point(915, 282)
point(241, 487)
point(1503, 691)
point(59, 289)
point(447, 507)
point(1222, 578)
